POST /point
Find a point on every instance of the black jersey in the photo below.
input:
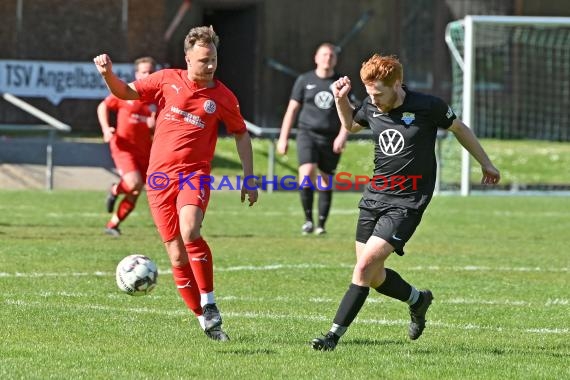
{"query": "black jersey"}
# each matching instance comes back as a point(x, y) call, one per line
point(318, 111)
point(404, 148)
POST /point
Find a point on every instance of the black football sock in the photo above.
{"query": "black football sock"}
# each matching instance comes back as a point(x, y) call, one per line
point(395, 286)
point(325, 200)
point(307, 195)
point(349, 307)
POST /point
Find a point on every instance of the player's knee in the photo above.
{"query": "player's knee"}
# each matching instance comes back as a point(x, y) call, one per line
point(178, 257)
point(308, 170)
point(134, 186)
point(190, 231)
point(137, 188)
point(363, 268)
point(368, 267)
point(360, 268)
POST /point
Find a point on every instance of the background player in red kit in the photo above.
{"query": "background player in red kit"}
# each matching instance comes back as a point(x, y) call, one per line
point(129, 143)
point(191, 103)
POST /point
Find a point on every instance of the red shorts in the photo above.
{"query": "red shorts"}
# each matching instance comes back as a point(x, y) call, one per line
point(127, 161)
point(165, 203)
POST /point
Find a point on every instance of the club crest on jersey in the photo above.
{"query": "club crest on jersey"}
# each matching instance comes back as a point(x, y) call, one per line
point(408, 117)
point(209, 106)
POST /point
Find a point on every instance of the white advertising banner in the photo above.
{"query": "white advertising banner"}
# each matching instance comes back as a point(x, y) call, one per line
point(57, 80)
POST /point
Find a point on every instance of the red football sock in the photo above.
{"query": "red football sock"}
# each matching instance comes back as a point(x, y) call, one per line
point(125, 208)
point(187, 288)
point(202, 265)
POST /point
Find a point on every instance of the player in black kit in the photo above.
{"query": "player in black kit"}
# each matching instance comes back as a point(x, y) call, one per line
point(320, 138)
point(404, 125)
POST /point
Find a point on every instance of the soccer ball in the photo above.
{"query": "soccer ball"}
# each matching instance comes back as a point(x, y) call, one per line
point(136, 275)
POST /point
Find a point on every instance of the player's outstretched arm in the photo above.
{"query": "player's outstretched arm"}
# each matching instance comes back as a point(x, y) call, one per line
point(103, 116)
point(245, 152)
point(117, 87)
point(469, 141)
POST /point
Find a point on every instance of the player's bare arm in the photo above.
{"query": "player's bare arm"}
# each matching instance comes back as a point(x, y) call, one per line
point(103, 116)
point(339, 142)
point(117, 87)
point(243, 145)
point(469, 141)
point(341, 89)
point(288, 121)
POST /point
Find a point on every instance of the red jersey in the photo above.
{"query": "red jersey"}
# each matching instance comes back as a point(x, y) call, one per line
point(132, 133)
point(187, 121)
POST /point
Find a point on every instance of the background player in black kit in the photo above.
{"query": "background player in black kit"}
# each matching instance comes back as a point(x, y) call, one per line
point(320, 138)
point(404, 125)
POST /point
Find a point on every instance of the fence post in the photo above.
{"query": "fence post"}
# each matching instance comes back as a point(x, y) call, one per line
point(270, 164)
point(49, 160)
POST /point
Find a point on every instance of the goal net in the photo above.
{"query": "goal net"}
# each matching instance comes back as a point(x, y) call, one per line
point(511, 78)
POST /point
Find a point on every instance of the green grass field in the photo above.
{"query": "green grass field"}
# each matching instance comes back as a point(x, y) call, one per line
point(498, 267)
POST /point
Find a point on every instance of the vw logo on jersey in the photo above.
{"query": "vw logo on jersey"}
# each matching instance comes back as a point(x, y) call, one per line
point(408, 117)
point(324, 100)
point(391, 142)
point(210, 106)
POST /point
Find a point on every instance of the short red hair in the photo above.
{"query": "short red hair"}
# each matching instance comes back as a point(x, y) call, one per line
point(386, 69)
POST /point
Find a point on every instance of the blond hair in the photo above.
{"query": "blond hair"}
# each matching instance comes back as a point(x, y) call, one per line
point(202, 35)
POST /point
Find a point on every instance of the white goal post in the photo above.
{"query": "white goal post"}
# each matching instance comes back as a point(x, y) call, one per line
point(466, 62)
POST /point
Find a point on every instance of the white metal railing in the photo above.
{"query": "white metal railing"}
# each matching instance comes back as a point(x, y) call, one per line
point(52, 126)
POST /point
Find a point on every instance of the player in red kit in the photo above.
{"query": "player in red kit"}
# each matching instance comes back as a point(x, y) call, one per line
point(191, 103)
point(129, 143)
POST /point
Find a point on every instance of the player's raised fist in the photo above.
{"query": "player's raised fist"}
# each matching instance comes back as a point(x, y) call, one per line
point(103, 64)
point(341, 87)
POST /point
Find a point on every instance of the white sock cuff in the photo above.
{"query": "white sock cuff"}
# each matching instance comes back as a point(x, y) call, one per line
point(338, 330)
point(414, 295)
point(206, 298)
point(201, 320)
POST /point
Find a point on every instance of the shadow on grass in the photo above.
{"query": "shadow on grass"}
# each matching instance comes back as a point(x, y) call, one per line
point(374, 342)
point(242, 236)
point(559, 351)
point(221, 163)
point(248, 351)
point(555, 352)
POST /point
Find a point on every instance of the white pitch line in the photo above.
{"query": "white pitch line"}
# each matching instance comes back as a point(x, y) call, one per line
point(313, 318)
point(272, 267)
point(281, 299)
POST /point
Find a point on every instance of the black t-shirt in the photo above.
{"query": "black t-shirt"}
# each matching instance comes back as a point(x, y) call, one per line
point(318, 111)
point(404, 148)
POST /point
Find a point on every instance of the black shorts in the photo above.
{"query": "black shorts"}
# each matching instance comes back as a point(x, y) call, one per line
point(395, 224)
point(313, 148)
